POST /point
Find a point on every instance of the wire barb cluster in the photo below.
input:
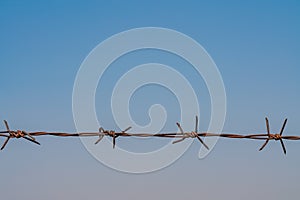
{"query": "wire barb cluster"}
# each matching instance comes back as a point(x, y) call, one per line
point(30, 136)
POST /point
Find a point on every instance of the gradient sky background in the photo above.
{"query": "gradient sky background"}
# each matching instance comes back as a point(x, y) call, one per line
point(255, 45)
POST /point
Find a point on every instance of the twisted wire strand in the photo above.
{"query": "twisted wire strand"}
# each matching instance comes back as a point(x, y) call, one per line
point(182, 135)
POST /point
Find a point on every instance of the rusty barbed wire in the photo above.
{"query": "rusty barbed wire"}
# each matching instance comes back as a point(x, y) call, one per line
point(30, 136)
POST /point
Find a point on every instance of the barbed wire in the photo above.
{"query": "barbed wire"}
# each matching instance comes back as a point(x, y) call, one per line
point(182, 135)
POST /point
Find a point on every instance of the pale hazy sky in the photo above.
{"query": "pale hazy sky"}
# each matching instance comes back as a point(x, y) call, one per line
point(255, 45)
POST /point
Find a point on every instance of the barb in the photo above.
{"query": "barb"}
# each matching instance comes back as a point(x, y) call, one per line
point(192, 134)
point(274, 136)
point(8, 134)
point(16, 134)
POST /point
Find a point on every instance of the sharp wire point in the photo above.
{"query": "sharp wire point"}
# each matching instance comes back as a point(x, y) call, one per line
point(180, 128)
point(283, 126)
point(114, 141)
point(268, 126)
point(31, 140)
point(202, 142)
point(283, 147)
point(127, 129)
point(100, 134)
point(9, 132)
point(269, 135)
point(176, 141)
point(6, 125)
point(5, 143)
point(196, 125)
point(182, 134)
point(263, 146)
point(99, 139)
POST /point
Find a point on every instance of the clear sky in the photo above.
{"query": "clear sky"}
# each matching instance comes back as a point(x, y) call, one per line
point(255, 45)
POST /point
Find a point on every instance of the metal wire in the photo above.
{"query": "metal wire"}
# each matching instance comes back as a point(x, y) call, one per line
point(30, 136)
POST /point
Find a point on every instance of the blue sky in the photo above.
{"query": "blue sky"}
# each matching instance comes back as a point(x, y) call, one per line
point(255, 45)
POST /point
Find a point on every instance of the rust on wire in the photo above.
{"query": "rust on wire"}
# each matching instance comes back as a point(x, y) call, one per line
point(30, 136)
